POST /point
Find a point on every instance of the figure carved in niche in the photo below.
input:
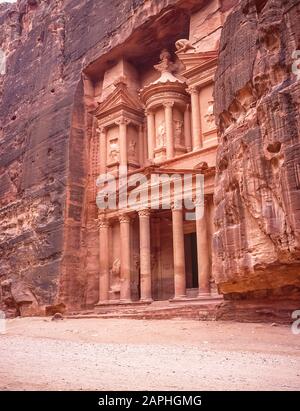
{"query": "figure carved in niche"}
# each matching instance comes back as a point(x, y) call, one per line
point(132, 149)
point(178, 132)
point(153, 260)
point(161, 134)
point(114, 150)
point(209, 116)
point(115, 280)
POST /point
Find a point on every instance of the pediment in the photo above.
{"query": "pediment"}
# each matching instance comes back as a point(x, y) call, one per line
point(119, 99)
point(192, 60)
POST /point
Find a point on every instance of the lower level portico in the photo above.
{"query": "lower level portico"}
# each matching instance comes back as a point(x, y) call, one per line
point(152, 255)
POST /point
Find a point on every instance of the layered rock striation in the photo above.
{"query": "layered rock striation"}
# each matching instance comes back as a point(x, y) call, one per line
point(257, 190)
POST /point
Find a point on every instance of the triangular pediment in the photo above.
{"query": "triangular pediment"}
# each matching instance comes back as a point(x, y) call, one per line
point(119, 99)
point(193, 59)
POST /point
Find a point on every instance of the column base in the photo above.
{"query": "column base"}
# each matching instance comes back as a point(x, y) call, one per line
point(179, 298)
point(204, 294)
point(103, 302)
point(125, 301)
point(146, 300)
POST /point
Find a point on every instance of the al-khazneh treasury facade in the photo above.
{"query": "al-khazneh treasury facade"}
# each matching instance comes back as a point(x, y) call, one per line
point(156, 117)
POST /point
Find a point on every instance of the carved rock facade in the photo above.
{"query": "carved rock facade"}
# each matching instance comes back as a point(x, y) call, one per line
point(68, 69)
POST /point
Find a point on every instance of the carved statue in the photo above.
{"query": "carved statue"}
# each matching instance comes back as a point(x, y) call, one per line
point(183, 45)
point(132, 149)
point(161, 134)
point(115, 280)
point(114, 150)
point(209, 116)
point(178, 132)
point(165, 64)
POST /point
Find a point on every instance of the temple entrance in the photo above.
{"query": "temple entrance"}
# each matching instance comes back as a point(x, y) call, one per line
point(191, 263)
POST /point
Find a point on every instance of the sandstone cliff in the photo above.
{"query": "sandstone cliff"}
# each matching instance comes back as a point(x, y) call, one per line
point(257, 193)
point(45, 134)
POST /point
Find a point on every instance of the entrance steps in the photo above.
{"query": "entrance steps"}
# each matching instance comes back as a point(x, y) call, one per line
point(188, 308)
point(204, 309)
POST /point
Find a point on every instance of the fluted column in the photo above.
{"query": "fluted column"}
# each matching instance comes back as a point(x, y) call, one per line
point(150, 133)
point(196, 121)
point(178, 253)
point(123, 141)
point(125, 293)
point(169, 129)
point(103, 225)
point(141, 145)
point(145, 255)
point(187, 128)
point(158, 281)
point(203, 254)
point(102, 149)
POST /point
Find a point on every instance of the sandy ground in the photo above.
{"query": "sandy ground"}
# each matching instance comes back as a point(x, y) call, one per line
point(118, 354)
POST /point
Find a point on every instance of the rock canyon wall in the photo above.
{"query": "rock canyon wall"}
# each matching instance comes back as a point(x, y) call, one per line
point(257, 192)
point(54, 51)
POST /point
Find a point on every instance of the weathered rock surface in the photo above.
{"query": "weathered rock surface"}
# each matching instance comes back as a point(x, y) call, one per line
point(257, 193)
point(43, 142)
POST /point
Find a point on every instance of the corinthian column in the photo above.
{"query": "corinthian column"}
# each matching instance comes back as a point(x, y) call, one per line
point(102, 149)
point(103, 225)
point(178, 253)
point(203, 254)
point(196, 122)
point(125, 293)
point(123, 141)
point(141, 145)
point(145, 255)
point(169, 129)
point(187, 128)
point(150, 133)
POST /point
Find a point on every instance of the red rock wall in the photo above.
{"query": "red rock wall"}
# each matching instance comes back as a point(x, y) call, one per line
point(257, 194)
point(46, 220)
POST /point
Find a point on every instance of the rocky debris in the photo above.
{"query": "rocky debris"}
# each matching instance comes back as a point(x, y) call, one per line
point(257, 191)
point(18, 298)
point(54, 309)
point(57, 317)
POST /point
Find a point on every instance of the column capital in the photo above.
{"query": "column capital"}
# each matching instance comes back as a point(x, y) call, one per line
point(144, 213)
point(122, 120)
point(177, 205)
point(203, 202)
point(101, 129)
point(168, 104)
point(193, 90)
point(124, 218)
point(149, 112)
point(103, 222)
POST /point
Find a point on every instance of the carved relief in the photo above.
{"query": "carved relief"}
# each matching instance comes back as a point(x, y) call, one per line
point(161, 134)
point(183, 45)
point(132, 149)
point(178, 132)
point(115, 280)
point(209, 116)
point(114, 150)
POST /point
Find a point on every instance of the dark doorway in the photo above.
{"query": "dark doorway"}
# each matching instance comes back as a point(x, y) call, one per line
point(191, 264)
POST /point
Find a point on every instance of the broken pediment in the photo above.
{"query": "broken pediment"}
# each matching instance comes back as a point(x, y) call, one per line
point(120, 99)
point(193, 60)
